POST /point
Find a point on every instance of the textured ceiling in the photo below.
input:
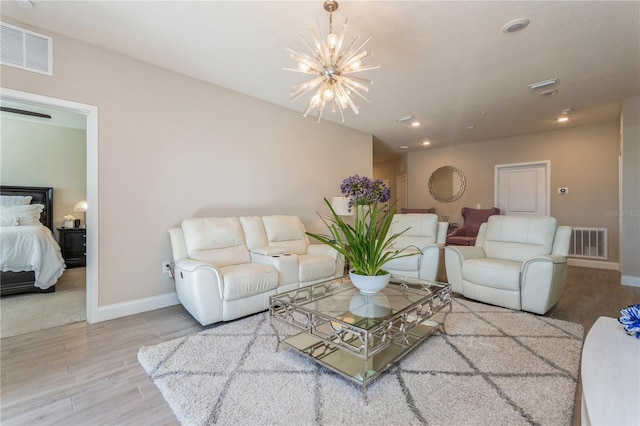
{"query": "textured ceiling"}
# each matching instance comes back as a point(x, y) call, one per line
point(447, 63)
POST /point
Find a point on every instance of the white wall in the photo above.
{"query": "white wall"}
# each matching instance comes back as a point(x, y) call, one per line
point(40, 154)
point(172, 147)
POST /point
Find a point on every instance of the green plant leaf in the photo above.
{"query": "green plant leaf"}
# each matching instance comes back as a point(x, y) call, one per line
point(366, 245)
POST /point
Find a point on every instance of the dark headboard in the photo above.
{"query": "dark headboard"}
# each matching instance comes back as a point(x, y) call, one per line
point(41, 195)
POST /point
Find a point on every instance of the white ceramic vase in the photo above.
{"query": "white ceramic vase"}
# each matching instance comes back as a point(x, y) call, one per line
point(368, 284)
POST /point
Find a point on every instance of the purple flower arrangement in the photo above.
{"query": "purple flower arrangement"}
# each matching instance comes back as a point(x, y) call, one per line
point(630, 318)
point(362, 190)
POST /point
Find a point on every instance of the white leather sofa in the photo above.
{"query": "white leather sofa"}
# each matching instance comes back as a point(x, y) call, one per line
point(316, 262)
point(518, 262)
point(425, 237)
point(227, 267)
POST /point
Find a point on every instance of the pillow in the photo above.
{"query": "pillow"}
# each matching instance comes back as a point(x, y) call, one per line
point(15, 200)
point(21, 215)
point(7, 220)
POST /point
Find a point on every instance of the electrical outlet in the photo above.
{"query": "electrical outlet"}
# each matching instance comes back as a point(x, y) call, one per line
point(166, 267)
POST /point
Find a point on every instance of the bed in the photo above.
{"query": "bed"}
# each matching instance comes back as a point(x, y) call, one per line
point(30, 257)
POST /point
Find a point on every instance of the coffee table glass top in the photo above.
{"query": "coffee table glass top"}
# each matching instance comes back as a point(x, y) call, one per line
point(341, 301)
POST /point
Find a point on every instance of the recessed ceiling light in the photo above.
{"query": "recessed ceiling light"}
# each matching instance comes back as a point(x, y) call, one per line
point(404, 147)
point(562, 119)
point(567, 111)
point(470, 127)
point(426, 143)
point(415, 124)
point(515, 25)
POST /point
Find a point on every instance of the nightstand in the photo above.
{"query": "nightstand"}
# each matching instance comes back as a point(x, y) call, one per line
point(73, 243)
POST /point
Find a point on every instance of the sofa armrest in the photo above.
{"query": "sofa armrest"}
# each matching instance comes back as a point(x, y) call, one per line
point(553, 258)
point(466, 252)
point(543, 280)
point(454, 256)
point(268, 250)
point(562, 240)
point(441, 236)
point(190, 265)
point(199, 287)
point(322, 250)
point(285, 263)
point(430, 261)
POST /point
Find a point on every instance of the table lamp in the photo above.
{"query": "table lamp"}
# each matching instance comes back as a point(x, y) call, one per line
point(81, 206)
point(341, 206)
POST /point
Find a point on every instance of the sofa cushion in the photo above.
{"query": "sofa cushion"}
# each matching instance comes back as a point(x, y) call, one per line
point(422, 229)
point(519, 237)
point(408, 263)
point(216, 240)
point(254, 233)
point(495, 273)
point(315, 267)
point(241, 281)
point(287, 232)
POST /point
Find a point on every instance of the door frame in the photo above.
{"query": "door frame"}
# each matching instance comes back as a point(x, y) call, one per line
point(547, 166)
point(401, 182)
point(91, 113)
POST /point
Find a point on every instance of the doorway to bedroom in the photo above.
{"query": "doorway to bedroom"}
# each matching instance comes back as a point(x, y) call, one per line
point(75, 298)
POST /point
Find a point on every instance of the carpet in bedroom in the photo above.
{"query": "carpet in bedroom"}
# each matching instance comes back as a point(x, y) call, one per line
point(24, 313)
point(494, 366)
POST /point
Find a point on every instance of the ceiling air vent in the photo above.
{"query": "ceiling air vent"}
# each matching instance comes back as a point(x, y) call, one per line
point(25, 49)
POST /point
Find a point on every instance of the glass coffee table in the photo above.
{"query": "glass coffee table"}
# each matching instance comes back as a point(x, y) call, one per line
point(356, 335)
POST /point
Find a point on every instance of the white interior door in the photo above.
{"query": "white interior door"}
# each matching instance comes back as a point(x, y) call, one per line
point(523, 188)
point(401, 189)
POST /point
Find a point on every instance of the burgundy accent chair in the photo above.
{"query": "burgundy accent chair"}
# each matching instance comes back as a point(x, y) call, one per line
point(466, 235)
point(405, 210)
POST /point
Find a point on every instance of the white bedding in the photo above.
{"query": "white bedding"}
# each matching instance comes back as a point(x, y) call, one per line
point(31, 248)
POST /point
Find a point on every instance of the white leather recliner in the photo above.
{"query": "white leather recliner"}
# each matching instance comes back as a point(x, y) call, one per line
point(215, 277)
point(518, 262)
point(316, 262)
point(424, 238)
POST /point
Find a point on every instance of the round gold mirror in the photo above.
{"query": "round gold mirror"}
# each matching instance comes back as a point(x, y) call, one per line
point(447, 184)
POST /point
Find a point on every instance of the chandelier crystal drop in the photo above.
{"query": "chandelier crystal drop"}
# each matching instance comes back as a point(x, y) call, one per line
point(332, 63)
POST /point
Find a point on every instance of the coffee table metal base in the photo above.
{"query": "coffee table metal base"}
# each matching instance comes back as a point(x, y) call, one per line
point(363, 350)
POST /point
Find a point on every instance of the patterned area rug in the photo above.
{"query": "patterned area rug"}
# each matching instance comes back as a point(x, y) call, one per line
point(493, 366)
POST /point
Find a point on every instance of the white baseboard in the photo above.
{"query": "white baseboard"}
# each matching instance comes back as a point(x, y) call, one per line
point(586, 263)
point(630, 281)
point(132, 307)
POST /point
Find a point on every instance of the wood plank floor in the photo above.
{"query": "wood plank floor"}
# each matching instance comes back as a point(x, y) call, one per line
point(88, 374)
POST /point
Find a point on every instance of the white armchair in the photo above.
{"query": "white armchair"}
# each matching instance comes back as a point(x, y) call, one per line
point(425, 238)
point(518, 262)
point(215, 277)
point(316, 262)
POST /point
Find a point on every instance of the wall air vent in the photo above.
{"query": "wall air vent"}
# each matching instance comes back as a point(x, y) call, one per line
point(25, 49)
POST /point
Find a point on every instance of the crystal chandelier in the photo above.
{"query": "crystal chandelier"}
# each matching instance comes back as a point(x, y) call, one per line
point(332, 62)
